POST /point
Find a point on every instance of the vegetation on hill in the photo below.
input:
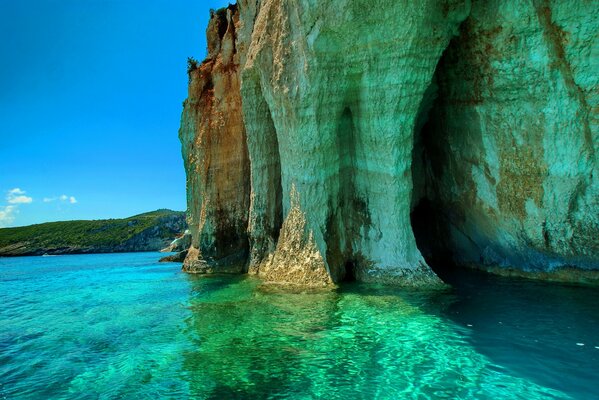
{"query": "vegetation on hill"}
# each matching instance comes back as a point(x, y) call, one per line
point(143, 232)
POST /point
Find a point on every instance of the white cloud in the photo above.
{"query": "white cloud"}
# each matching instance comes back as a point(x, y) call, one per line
point(20, 200)
point(14, 198)
point(17, 196)
point(63, 198)
point(7, 215)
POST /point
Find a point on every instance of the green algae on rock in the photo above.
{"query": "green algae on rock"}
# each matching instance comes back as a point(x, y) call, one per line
point(315, 132)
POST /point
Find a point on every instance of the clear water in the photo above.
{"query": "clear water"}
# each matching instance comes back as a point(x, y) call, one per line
point(124, 326)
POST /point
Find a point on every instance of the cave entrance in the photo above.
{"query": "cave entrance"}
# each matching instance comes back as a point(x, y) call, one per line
point(428, 215)
point(350, 272)
point(431, 233)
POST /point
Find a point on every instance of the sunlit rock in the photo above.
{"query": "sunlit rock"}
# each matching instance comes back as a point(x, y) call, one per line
point(215, 154)
point(331, 92)
point(319, 136)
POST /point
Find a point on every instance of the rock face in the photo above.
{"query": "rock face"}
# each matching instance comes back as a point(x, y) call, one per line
point(215, 153)
point(319, 136)
point(340, 96)
point(510, 147)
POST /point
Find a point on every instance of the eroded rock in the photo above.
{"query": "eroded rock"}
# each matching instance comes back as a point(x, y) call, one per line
point(511, 143)
point(340, 96)
point(314, 129)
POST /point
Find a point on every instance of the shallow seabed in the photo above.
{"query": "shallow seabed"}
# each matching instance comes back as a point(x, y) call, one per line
point(124, 326)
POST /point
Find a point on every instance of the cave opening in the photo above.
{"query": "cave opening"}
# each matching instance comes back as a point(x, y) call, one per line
point(350, 272)
point(429, 214)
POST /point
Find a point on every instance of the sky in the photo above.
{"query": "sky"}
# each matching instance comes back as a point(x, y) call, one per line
point(91, 96)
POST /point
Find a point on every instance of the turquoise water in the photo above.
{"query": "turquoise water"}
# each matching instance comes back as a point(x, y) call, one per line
point(123, 326)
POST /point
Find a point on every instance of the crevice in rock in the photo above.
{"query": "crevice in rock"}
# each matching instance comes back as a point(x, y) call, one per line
point(277, 192)
point(346, 148)
point(349, 211)
point(222, 20)
point(339, 232)
point(266, 217)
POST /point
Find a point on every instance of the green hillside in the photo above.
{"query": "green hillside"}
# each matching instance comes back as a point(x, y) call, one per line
point(143, 232)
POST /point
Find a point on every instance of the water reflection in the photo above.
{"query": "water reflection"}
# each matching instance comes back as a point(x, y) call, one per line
point(355, 342)
point(126, 327)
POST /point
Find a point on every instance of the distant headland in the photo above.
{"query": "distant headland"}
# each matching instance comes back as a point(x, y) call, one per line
point(150, 231)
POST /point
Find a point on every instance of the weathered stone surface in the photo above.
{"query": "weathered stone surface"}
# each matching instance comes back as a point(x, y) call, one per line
point(511, 143)
point(331, 93)
point(353, 125)
point(296, 259)
point(215, 153)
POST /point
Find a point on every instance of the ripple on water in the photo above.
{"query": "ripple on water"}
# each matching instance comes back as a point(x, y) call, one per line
point(127, 327)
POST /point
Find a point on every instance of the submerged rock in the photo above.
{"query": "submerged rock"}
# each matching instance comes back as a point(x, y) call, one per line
point(315, 134)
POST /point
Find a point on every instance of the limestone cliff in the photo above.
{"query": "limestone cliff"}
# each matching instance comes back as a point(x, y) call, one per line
point(318, 136)
point(215, 153)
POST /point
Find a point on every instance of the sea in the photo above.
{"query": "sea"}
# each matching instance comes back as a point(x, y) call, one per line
point(123, 326)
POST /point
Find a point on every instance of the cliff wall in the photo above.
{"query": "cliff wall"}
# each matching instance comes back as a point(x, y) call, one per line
point(215, 153)
point(319, 136)
point(510, 147)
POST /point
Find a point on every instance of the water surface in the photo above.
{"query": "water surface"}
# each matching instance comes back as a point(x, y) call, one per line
point(124, 326)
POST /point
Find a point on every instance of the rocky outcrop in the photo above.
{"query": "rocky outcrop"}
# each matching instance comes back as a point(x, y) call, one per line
point(180, 246)
point(340, 96)
point(318, 137)
point(178, 257)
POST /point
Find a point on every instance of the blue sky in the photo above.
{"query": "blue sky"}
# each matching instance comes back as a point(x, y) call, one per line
point(90, 102)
